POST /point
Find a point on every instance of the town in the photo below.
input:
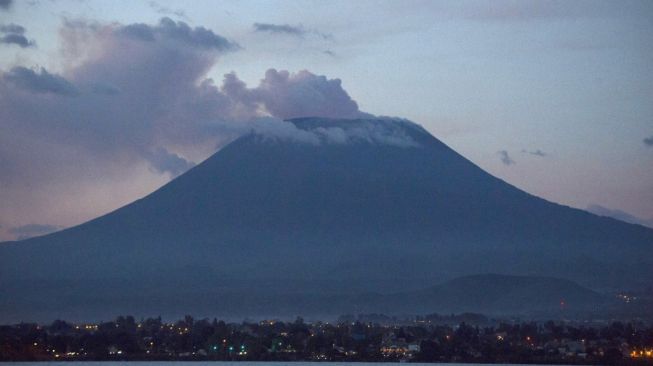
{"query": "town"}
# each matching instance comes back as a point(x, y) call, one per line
point(371, 338)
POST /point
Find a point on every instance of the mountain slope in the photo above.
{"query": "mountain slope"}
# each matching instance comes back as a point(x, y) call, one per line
point(346, 206)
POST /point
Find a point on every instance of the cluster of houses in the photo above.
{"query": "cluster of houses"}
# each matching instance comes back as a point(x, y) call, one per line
point(419, 340)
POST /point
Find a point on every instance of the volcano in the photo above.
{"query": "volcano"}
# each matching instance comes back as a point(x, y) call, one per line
point(328, 210)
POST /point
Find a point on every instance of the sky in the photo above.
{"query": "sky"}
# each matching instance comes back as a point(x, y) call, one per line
point(102, 102)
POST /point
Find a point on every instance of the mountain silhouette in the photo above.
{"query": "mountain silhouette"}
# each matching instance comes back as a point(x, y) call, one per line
point(326, 208)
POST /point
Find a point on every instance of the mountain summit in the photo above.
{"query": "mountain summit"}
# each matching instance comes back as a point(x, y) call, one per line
point(314, 207)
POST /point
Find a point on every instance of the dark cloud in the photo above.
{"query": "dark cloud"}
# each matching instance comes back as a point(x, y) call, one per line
point(198, 36)
point(5, 4)
point(164, 161)
point(648, 141)
point(14, 34)
point(279, 28)
point(168, 29)
point(505, 157)
point(32, 230)
point(140, 31)
point(537, 152)
point(42, 82)
point(12, 28)
point(17, 39)
point(288, 29)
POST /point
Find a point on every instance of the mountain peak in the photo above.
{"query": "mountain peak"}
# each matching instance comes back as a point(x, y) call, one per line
point(327, 131)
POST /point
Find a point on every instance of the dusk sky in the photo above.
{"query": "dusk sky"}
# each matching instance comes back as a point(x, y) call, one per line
point(102, 102)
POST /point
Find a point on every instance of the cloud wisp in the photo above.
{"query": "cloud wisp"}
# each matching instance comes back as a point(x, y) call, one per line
point(164, 10)
point(287, 29)
point(279, 28)
point(537, 152)
point(505, 157)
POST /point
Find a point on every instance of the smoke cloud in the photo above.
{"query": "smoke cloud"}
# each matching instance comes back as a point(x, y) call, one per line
point(384, 131)
point(132, 107)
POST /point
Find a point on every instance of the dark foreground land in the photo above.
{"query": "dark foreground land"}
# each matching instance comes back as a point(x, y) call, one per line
point(465, 338)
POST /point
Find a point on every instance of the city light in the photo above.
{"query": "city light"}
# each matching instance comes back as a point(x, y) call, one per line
point(642, 353)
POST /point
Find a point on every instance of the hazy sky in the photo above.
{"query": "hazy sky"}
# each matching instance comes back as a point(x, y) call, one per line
point(102, 102)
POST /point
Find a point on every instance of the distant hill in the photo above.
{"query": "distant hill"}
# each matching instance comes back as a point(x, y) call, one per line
point(508, 295)
point(326, 209)
point(490, 294)
point(619, 215)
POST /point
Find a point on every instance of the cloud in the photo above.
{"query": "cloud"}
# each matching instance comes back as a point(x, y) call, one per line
point(14, 34)
point(164, 161)
point(279, 28)
point(168, 29)
point(303, 94)
point(505, 157)
point(12, 28)
point(648, 141)
point(275, 129)
point(619, 215)
point(6, 4)
point(32, 230)
point(17, 39)
point(132, 106)
point(298, 31)
point(41, 82)
point(163, 10)
point(385, 131)
point(381, 131)
point(198, 36)
point(537, 152)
